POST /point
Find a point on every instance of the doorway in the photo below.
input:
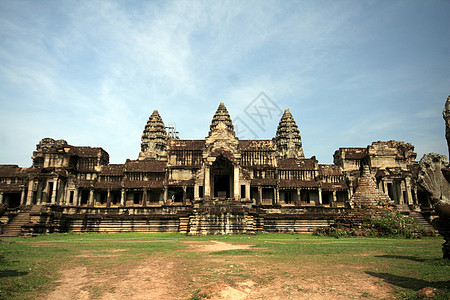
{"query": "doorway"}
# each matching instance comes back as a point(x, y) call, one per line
point(221, 171)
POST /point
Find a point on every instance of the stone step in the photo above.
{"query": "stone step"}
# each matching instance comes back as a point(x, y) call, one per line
point(14, 228)
point(421, 220)
point(125, 226)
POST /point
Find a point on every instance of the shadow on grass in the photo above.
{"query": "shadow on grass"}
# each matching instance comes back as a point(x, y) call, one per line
point(409, 282)
point(11, 273)
point(233, 252)
point(412, 258)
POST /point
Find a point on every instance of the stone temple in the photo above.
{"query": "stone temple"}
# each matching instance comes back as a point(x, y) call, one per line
point(217, 185)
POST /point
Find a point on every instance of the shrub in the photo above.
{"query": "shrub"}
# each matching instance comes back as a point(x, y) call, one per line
point(374, 222)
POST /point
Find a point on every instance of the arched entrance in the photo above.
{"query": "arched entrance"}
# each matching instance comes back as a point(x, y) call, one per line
point(222, 177)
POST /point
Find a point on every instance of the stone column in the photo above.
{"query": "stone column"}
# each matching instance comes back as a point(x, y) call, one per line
point(166, 194)
point(184, 195)
point(259, 200)
point(66, 197)
point(6, 200)
point(415, 196)
point(385, 187)
point(350, 190)
point(207, 184)
point(247, 191)
point(108, 198)
point(55, 185)
point(408, 192)
point(122, 197)
point(23, 199)
point(144, 198)
point(401, 188)
point(76, 201)
point(277, 195)
point(196, 191)
point(320, 196)
point(299, 199)
point(59, 192)
point(30, 192)
point(39, 192)
point(237, 187)
point(91, 197)
point(334, 203)
point(1, 198)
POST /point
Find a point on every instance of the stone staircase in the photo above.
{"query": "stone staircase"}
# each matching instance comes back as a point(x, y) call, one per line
point(220, 217)
point(225, 223)
point(416, 215)
point(184, 225)
point(421, 220)
point(14, 228)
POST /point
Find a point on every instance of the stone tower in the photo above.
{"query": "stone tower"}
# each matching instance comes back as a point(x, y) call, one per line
point(367, 195)
point(288, 138)
point(154, 139)
point(221, 116)
point(221, 132)
point(446, 115)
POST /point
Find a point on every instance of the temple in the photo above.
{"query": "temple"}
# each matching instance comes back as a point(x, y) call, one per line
point(217, 185)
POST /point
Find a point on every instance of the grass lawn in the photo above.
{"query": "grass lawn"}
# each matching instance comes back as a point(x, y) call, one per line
point(174, 266)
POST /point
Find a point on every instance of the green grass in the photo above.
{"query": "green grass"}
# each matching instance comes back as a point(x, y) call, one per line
point(29, 266)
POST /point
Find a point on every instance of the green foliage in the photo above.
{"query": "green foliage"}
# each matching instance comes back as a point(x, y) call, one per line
point(394, 223)
point(375, 222)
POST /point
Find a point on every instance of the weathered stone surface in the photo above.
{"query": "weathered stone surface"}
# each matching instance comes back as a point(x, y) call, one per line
point(49, 143)
point(221, 117)
point(446, 115)
point(154, 139)
point(288, 138)
point(367, 195)
point(216, 185)
point(432, 179)
point(221, 137)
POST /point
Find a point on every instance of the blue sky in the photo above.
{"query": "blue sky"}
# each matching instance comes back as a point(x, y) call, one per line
point(351, 72)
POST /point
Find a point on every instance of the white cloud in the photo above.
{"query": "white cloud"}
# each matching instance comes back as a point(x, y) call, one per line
point(93, 71)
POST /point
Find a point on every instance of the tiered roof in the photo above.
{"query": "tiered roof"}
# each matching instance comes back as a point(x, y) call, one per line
point(154, 138)
point(288, 138)
point(221, 116)
point(367, 195)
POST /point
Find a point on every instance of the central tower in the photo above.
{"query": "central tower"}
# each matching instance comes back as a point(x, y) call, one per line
point(221, 158)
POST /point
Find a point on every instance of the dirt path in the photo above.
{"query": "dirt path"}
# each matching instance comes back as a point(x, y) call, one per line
point(175, 278)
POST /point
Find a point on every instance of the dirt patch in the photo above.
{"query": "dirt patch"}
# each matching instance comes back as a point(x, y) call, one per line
point(99, 254)
point(215, 246)
point(225, 277)
point(152, 279)
point(298, 281)
point(71, 285)
point(280, 288)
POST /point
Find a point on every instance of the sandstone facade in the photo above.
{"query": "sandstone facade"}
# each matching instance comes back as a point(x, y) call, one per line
point(217, 185)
